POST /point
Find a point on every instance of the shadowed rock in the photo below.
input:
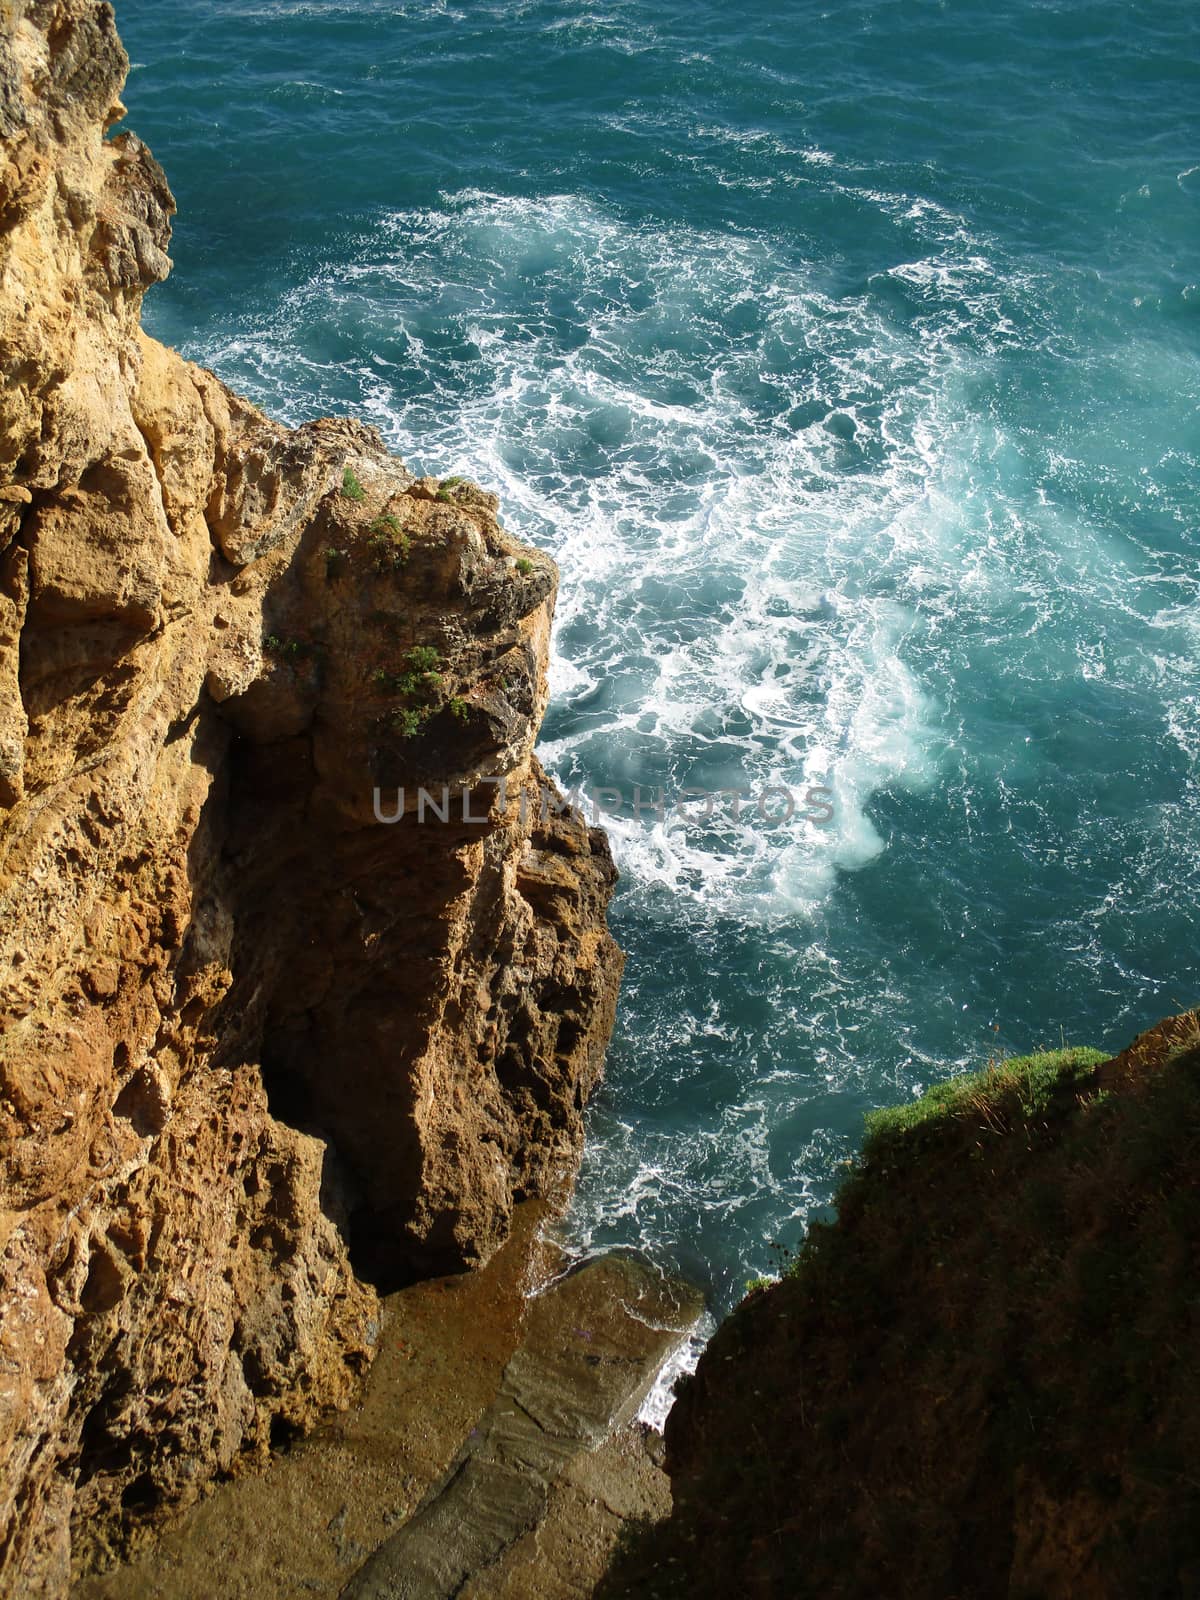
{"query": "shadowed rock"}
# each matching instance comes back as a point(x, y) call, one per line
point(593, 1343)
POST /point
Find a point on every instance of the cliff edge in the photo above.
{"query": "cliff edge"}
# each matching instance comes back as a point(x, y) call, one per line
point(260, 1052)
point(980, 1380)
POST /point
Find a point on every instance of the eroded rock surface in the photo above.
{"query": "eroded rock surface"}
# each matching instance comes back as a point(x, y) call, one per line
point(256, 1047)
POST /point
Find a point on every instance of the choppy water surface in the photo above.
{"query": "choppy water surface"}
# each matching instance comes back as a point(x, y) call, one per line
point(846, 359)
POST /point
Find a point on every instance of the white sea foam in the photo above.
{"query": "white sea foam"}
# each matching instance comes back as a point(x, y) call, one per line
point(752, 489)
point(792, 522)
point(682, 1361)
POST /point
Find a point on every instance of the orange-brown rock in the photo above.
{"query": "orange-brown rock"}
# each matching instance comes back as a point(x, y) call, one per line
point(259, 1051)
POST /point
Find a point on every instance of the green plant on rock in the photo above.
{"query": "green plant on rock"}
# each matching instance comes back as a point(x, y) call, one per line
point(782, 1256)
point(351, 487)
point(418, 685)
point(421, 683)
point(447, 486)
point(388, 542)
point(386, 523)
point(424, 658)
point(524, 566)
point(291, 650)
point(408, 721)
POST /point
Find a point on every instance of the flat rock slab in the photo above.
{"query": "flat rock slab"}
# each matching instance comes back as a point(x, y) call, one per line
point(300, 1530)
point(592, 1344)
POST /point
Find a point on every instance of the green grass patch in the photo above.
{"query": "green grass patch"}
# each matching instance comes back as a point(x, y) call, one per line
point(1023, 1086)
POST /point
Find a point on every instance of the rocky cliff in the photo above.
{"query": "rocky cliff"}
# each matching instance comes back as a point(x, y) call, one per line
point(980, 1380)
point(260, 1052)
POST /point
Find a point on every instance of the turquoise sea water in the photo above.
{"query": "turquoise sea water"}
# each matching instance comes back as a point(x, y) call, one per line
point(845, 356)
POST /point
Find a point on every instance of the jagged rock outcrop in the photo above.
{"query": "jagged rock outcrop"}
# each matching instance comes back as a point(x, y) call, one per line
point(256, 1046)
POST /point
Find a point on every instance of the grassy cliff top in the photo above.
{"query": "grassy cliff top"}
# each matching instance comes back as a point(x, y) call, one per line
point(980, 1379)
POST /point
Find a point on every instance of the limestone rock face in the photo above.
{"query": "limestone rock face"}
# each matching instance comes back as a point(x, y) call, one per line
point(259, 1051)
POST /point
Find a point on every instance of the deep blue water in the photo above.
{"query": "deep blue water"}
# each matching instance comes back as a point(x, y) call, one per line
point(846, 358)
